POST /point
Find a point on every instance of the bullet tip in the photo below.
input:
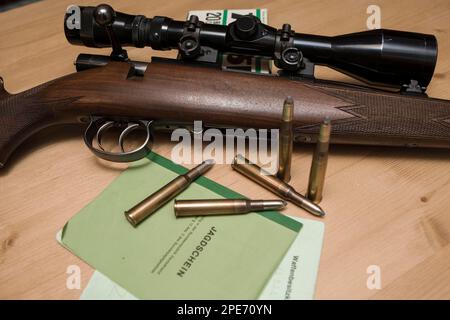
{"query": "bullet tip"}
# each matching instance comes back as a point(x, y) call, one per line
point(209, 161)
point(317, 210)
point(321, 214)
point(288, 109)
point(289, 100)
point(239, 159)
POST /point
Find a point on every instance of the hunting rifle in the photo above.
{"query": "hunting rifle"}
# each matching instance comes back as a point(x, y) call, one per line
point(113, 91)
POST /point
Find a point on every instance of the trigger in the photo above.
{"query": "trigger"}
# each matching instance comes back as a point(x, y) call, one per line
point(100, 132)
point(125, 133)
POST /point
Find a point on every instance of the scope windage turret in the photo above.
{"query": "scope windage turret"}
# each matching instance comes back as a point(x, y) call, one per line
point(381, 57)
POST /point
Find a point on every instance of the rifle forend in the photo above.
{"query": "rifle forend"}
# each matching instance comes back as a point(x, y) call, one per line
point(174, 92)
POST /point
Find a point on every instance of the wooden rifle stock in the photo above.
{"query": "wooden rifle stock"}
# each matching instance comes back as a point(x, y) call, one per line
point(179, 93)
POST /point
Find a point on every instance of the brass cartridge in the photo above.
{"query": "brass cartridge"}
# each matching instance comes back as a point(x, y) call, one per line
point(153, 202)
point(319, 163)
point(286, 141)
point(211, 207)
point(277, 186)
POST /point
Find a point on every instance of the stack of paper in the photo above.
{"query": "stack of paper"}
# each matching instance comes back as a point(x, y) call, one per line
point(294, 279)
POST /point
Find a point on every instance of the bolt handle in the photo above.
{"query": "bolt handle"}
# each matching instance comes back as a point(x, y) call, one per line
point(104, 16)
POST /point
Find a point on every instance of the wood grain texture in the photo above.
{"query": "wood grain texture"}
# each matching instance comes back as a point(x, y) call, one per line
point(386, 207)
point(179, 93)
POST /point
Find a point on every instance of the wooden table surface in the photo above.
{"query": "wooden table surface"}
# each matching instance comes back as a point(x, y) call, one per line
point(386, 207)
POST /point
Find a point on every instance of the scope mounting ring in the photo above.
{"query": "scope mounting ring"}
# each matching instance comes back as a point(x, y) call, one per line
point(286, 56)
point(189, 43)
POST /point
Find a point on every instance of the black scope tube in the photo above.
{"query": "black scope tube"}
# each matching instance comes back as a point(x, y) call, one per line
point(382, 57)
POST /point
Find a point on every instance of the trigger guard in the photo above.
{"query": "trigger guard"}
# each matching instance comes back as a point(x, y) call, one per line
point(92, 132)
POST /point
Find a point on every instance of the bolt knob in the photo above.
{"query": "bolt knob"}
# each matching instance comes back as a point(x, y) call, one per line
point(104, 15)
point(245, 27)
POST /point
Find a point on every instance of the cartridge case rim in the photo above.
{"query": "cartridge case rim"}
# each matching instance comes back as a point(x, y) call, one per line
point(130, 219)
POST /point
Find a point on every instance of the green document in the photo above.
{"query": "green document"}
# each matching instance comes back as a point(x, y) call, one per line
point(294, 279)
point(223, 257)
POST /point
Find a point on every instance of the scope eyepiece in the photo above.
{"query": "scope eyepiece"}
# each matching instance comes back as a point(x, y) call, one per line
point(380, 57)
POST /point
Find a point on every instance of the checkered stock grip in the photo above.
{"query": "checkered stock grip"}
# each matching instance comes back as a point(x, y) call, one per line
point(23, 114)
point(382, 118)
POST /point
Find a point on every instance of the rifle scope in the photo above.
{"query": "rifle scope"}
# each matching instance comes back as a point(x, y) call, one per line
point(381, 57)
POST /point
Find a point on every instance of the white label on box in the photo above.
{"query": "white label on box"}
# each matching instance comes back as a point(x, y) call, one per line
point(236, 62)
